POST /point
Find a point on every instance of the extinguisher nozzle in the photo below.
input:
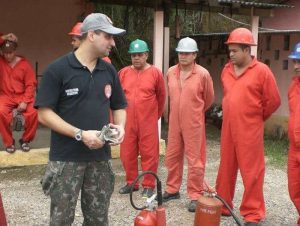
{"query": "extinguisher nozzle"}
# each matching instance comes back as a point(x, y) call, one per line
point(161, 216)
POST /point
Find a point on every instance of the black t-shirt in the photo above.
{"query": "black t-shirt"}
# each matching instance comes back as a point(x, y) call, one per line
point(82, 99)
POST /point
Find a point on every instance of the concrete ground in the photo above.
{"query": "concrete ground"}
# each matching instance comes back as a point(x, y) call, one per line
point(41, 140)
point(26, 205)
point(36, 156)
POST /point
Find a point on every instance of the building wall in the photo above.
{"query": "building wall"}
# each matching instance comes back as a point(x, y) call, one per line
point(41, 26)
point(276, 56)
point(279, 63)
point(213, 56)
point(284, 18)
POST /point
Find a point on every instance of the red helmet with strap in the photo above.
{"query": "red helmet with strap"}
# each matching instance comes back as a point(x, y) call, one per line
point(76, 30)
point(241, 36)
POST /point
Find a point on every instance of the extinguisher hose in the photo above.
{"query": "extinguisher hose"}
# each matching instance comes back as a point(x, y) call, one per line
point(158, 188)
point(230, 210)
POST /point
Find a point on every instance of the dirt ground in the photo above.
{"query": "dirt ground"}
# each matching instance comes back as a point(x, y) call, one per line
point(26, 205)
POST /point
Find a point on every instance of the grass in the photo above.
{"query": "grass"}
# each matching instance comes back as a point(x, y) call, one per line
point(276, 152)
point(213, 133)
point(275, 149)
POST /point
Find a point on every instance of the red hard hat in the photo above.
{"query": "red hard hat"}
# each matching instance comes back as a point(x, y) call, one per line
point(241, 36)
point(76, 30)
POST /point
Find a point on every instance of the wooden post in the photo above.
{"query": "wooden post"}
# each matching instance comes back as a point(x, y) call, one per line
point(254, 29)
point(158, 46)
point(166, 67)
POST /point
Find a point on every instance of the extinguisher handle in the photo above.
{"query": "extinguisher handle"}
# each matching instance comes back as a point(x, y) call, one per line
point(159, 190)
point(159, 193)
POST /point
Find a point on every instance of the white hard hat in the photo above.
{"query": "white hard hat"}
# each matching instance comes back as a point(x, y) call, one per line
point(187, 45)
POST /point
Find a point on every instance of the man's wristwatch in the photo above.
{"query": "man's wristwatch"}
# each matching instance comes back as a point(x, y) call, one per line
point(78, 135)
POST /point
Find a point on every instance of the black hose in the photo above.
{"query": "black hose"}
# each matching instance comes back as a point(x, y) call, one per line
point(230, 210)
point(158, 188)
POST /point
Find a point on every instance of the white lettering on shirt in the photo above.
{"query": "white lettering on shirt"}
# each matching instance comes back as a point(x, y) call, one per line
point(72, 92)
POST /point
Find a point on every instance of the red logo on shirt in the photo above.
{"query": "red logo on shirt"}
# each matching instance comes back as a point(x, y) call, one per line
point(107, 91)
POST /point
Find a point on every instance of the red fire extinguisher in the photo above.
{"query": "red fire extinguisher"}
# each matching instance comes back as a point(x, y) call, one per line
point(150, 215)
point(208, 211)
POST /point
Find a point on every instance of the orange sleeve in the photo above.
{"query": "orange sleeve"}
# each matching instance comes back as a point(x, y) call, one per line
point(271, 98)
point(170, 72)
point(208, 92)
point(107, 59)
point(297, 126)
point(160, 93)
point(30, 84)
point(167, 82)
point(167, 102)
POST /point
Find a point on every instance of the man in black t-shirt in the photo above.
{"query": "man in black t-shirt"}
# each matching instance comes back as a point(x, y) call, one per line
point(74, 99)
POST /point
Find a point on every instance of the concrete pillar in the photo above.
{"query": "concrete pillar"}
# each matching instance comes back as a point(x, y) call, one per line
point(166, 49)
point(158, 39)
point(158, 46)
point(254, 29)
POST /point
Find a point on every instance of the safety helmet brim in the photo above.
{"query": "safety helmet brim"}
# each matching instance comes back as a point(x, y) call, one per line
point(294, 57)
point(178, 50)
point(130, 52)
point(241, 43)
point(74, 34)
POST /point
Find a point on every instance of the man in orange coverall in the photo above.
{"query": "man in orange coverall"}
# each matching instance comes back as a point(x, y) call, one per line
point(17, 90)
point(144, 87)
point(250, 97)
point(75, 34)
point(294, 132)
point(191, 94)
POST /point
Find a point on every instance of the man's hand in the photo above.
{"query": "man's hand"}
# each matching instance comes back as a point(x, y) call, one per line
point(22, 107)
point(91, 140)
point(10, 36)
point(121, 134)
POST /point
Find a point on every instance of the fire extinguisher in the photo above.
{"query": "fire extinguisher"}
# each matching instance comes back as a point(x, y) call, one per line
point(150, 215)
point(208, 211)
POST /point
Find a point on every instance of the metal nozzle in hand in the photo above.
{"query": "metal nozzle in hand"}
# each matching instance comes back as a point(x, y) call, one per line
point(108, 134)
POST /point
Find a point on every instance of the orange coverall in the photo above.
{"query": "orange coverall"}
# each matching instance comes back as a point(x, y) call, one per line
point(17, 85)
point(248, 101)
point(188, 104)
point(106, 59)
point(294, 149)
point(145, 94)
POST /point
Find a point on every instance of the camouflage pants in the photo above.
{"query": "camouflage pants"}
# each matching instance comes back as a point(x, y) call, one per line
point(63, 182)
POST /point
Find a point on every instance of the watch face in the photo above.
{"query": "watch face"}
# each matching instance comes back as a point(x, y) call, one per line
point(78, 135)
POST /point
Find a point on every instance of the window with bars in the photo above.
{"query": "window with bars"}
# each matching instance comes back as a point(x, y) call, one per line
point(285, 65)
point(276, 54)
point(208, 62)
point(268, 42)
point(286, 44)
point(267, 62)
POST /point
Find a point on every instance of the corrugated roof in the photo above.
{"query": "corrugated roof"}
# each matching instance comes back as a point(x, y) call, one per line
point(267, 4)
point(227, 33)
point(254, 4)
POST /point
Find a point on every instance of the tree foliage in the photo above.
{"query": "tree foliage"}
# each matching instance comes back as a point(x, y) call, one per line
point(138, 22)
